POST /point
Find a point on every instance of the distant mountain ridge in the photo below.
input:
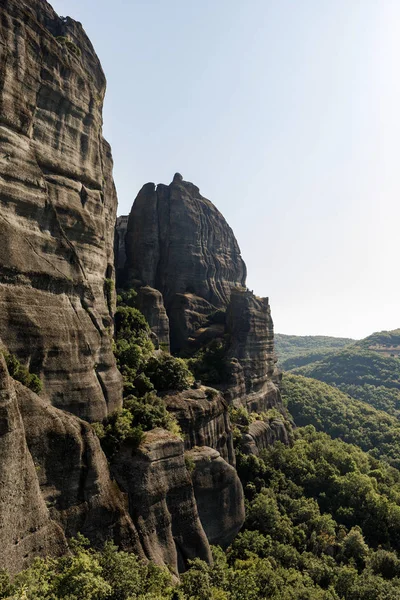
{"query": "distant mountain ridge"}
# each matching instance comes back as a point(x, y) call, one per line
point(368, 369)
point(311, 346)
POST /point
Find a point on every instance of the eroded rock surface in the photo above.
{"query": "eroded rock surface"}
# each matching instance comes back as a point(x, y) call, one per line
point(57, 208)
point(219, 495)
point(180, 244)
point(263, 434)
point(251, 347)
point(73, 474)
point(26, 528)
point(161, 500)
point(203, 417)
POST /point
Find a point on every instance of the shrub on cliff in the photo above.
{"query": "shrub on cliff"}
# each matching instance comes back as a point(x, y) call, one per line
point(210, 364)
point(130, 423)
point(167, 372)
point(132, 348)
point(22, 374)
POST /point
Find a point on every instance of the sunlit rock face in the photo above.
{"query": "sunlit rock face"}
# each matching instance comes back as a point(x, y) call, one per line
point(57, 209)
point(162, 500)
point(55, 481)
point(179, 243)
point(219, 495)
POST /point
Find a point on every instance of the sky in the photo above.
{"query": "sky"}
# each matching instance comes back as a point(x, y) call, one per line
point(286, 115)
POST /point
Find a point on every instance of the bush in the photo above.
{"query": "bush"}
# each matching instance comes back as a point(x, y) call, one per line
point(20, 373)
point(116, 429)
point(168, 373)
point(210, 364)
point(150, 412)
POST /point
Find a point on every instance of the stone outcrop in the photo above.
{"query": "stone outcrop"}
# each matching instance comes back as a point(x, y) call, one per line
point(161, 499)
point(55, 481)
point(150, 303)
point(263, 434)
point(219, 495)
point(26, 529)
point(203, 417)
point(251, 348)
point(57, 208)
point(121, 227)
point(73, 474)
point(178, 243)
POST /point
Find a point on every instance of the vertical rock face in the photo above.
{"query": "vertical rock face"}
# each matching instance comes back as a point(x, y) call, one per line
point(251, 346)
point(26, 528)
point(202, 416)
point(73, 474)
point(219, 495)
point(178, 243)
point(57, 208)
point(161, 499)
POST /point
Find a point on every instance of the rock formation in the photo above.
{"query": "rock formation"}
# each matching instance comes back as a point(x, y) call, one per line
point(219, 495)
point(179, 244)
point(57, 301)
point(161, 499)
point(57, 208)
point(203, 417)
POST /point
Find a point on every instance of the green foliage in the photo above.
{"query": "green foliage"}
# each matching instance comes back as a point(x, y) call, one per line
point(381, 338)
point(22, 374)
point(130, 423)
point(64, 41)
point(342, 480)
point(330, 410)
point(127, 298)
point(167, 372)
point(133, 347)
point(150, 412)
point(288, 346)
point(210, 364)
point(190, 464)
point(87, 574)
point(355, 366)
point(380, 397)
point(116, 429)
point(108, 292)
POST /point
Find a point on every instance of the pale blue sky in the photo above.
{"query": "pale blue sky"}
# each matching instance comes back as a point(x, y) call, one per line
point(286, 114)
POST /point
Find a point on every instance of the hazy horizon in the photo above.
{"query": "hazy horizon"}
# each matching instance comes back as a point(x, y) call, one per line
point(285, 114)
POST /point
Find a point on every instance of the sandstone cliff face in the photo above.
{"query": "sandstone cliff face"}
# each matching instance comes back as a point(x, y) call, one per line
point(73, 474)
point(219, 495)
point(251, 348)
point(26, 529)
point(55, 481)
point(180, 244)
point(203, 417)
point(161, 500)
point(262, 434)
point(57, 208)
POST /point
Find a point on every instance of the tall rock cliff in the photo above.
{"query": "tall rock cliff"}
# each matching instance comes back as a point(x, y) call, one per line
point(57, 214)
point(57, 208)
point(178, 244)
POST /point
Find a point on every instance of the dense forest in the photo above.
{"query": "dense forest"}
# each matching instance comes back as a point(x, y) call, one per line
point(310, 346)
point(322, 513)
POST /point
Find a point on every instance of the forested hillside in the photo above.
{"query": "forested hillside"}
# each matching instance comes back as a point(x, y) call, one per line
point(364, 374)
point(311, 402)
point(306, 348)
